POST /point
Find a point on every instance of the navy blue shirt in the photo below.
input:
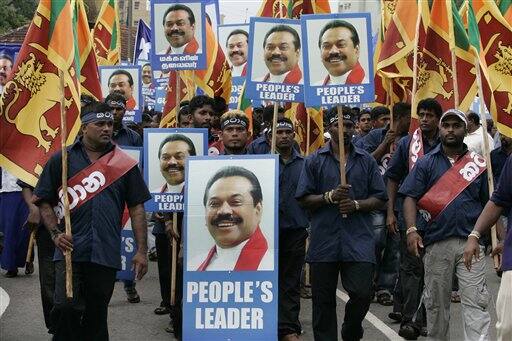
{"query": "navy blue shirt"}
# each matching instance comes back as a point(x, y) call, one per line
point(398, 166)
point(458, 218)
point(127, 137)
point(291, 215)
point(96, 223)
point(498, 160)
point(502, 196)
point(259, 146)
point(334, 238)
point(372, 140)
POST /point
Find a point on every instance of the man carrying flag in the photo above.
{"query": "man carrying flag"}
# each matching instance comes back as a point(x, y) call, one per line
point(448, 187)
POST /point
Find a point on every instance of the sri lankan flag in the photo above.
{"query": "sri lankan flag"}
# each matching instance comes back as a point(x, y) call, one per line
point(435, 74)
point(245, 105)
point(505, 7)
point(30, 103)
point(107, 34)
point(292, 9)
point(175, 94)
point(496, 50)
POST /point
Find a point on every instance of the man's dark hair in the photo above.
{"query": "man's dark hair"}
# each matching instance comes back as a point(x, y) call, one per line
point(229, 171)
point(180, 7)
point(268, 112)
point(430, 104)
point(86, 99)
point(184, 111)
point(147, 64)
point(401, 109)
point(339, 23)
point(115, 96)
point(284, 120)
point(379, 111)
point(184, 103)
point(94, 107)
point(364, 112)
point(473, 117)
point(199, 101)
point(178, 137)
point(6, 56)
point(284, 28)
point(235, 32)
point(220, 106)
point(122, 72)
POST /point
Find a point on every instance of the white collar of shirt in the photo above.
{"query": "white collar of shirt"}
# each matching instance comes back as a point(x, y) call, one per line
point(278, 78)
point(174, 188)
point(237, 70)
point(339, 79)
point(178, 50)
point(225, 259)
point(9, 182)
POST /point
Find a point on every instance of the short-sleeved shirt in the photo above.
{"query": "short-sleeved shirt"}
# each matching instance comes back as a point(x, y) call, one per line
point(372, 140)
point(459, 217)
point(291, 215)
point(334, 238)
point(502, 196)
point(398, 166)
point(96, 223)
point(498, 160)
point(260, 145)
point(127, 137)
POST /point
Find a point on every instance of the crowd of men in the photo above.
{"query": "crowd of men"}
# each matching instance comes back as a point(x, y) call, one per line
point(375, 232)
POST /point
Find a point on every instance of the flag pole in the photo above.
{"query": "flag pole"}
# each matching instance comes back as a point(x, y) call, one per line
point(308, 131)
point(415, 63)
point(30, 250)
point(174, 253)
point(276, 106)
point(455, 82)
point(67, 219)
point(487, 155)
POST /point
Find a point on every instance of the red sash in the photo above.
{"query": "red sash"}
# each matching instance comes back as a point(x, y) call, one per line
point(191, 47)
point(356, 76)
point(293, 77)
point(415, 148)
point(93, 179)
point(451, 184)
point(250, 257)
point(244, 71)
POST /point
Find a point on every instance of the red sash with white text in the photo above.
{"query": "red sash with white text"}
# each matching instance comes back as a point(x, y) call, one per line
point(451, 184)
point(415, 148)
point(250, 257)
point(93, 179)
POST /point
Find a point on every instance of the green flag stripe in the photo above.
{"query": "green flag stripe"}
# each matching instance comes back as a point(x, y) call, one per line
point(473, 32)
point(461, 37)
point(56, 9)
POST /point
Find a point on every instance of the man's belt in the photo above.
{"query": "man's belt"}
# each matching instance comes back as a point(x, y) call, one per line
point(450, 185)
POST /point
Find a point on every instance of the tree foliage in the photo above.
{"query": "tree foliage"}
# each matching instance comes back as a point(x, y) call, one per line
point(16, 13)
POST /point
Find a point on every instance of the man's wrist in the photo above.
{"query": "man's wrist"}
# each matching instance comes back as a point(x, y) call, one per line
point(54, 233)
point(357, 205)
point(412, 229)
point(475, 234)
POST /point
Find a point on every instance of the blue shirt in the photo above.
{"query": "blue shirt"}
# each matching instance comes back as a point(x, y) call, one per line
point(498, 160)
point(372, 140)
point(95, 224)
point(398, 166)
point(458, 218)
point(127, 137)
point(259, 146)
point(291, 215)
point(334, 238)
point(502, 196)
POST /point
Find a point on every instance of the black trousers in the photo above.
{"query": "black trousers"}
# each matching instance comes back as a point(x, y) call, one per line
point(357, 280)
point(45, 251)
point(292, 244)
point(164, 268)
point(85, 317)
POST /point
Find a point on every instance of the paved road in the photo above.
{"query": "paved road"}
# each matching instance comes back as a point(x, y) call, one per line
point(23, 318)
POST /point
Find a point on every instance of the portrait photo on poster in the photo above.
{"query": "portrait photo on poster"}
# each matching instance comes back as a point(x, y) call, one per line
point(231, 216)
point(234, 40)
point(178, 32)
point(125, 79)
point(275, 68)
point(165, 155)
point(339, 58)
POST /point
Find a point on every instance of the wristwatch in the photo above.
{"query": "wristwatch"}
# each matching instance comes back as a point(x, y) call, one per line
point(357, 205)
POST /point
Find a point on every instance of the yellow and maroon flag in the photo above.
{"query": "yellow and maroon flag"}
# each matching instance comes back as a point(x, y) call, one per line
point(505, 7)
point(496, 51)
point(176, 93)
point(107, 34)
point(30, 104)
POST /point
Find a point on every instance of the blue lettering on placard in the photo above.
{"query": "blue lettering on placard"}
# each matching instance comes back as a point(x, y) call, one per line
point(333, 95)
point(277, 91)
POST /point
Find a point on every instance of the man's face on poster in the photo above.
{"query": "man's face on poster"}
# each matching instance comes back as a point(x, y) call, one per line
point(5, 69)
point(146, 74)
point(231, 216)
point(178, 29)
point(337, 50)
point(280, 53)
point(172, 161)
point(121, 83)
point(237, 49)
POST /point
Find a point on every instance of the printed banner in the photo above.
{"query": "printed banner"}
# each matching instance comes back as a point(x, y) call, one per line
point(125, 79)
point(275, 67)
point(338, 59)
point(231, 245)
point(165, 154)
point(160, 94)
point(178, 35)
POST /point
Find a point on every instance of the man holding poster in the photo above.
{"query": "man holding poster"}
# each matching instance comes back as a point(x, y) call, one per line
point(179, 28)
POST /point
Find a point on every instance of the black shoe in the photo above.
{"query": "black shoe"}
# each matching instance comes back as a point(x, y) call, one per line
point(132, 296)
point(29, 268)
point(169, 328)
point(162, 310)
point(11, 274)
point(395, 316)
point(423, 331)
point(408, 332)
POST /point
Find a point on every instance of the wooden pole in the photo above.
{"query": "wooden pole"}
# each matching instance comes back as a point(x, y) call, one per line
point(174, 259)
point(454, 78)
point(308, 132)
point(30, 250)
point(67, 219)
point(415, 65)
point(487, 155)
point(341, 144)
point(274, 124)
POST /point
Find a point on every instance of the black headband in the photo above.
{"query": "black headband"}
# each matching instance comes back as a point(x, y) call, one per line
point(116, 104)
point(97, 116)
point(345, 117)
point(233, 121)
point(284, 125)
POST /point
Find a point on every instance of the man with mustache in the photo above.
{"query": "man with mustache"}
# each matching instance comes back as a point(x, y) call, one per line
point(339, 51)
point(122, 81)
point(237, 47)
point(6, 64)
point(342, 237)
point(233, 203)
point(281, 55)
point(448, 187)
point(179, 28)
point(172, 153)
point(122, 135)
point(148, 88)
